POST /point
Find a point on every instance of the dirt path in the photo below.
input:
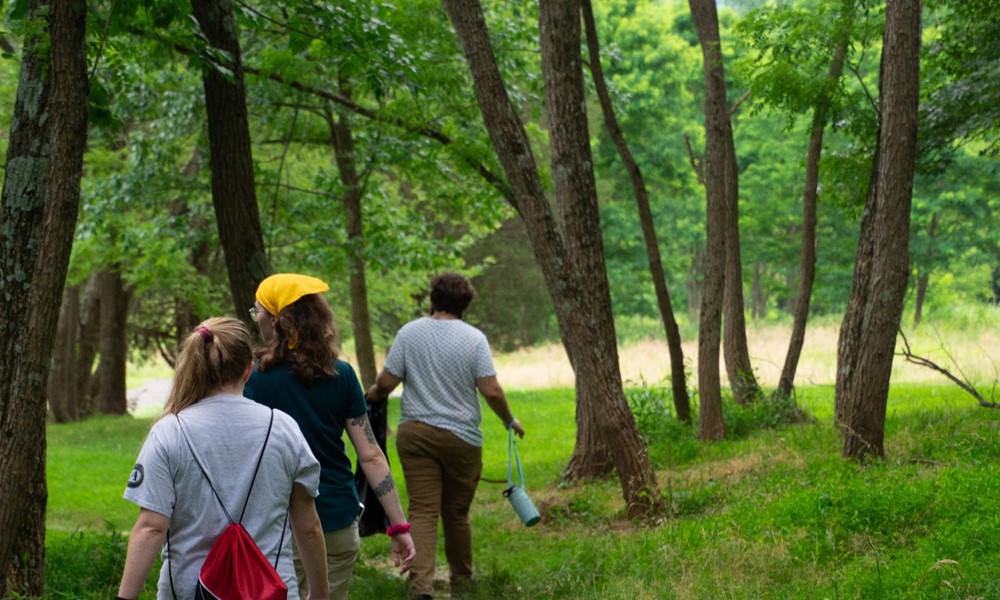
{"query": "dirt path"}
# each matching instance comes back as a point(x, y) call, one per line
point(149, 399)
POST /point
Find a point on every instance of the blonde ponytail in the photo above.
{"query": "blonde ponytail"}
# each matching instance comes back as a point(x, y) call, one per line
point(213, 356)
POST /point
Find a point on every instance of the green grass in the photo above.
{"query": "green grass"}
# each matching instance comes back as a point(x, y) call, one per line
point(772, 512)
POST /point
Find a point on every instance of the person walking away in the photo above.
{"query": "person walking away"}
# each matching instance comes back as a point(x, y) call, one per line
point(298, 371)
point(442, 362)
point(206, 414)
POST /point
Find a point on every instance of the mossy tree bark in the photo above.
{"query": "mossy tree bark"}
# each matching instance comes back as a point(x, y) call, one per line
point(38, 213)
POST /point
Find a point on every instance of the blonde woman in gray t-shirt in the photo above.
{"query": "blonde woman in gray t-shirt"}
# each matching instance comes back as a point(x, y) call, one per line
point(208, 424)
point(444, 364)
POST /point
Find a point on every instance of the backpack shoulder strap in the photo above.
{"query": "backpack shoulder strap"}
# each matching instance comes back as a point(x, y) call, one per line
point(260, 459)
point(202, 468)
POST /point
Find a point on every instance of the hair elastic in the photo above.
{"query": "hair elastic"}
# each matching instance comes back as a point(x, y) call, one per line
point(206, 335)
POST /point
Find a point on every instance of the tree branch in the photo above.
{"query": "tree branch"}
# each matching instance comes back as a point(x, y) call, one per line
point(963, 383)
point(739, 101)
point(694, 160)
point(493, 179)
point(496, 181)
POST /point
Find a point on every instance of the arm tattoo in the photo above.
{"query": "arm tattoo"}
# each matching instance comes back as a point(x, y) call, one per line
point(385, 487)
point(362, 422)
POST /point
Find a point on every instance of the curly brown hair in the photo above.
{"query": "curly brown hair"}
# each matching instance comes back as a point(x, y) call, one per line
point(451, 293)
point(305, 339)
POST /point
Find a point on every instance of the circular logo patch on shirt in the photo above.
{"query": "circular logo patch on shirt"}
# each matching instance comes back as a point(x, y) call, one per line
point(138, 473)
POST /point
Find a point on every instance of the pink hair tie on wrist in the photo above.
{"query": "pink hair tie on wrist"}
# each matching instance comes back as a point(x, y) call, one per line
point(206, 335)
point(398, 528)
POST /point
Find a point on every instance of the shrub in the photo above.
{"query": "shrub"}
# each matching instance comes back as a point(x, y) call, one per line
point(765, 412)
point(668, 440)
point(84, 565)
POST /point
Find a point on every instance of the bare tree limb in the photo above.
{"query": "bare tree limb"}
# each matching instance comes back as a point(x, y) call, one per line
point(695, 164)
point(739, 101)
point(962, 382)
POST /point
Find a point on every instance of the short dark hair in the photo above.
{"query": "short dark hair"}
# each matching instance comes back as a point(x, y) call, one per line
point(451, 293)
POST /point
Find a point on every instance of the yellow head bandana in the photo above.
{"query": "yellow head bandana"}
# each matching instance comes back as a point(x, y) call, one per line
point(278, 291)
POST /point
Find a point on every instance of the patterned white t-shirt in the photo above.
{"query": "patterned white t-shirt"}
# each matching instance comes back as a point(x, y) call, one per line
point(439, 361)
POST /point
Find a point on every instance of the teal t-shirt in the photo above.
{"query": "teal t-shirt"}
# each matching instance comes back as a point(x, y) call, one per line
point(321, 410)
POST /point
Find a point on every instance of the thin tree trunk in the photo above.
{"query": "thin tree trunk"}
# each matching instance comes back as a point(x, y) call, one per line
point(38, 212)
point(924, 279)
point(758, 305)
point(88, 338)
point(61, 385)
point(995, 285)
point(695, 281)
point(868, 333)
point(713, 287)
point(234, 195)
point(112, 344)
point(678, 379)
point(584, 317)
point(343, 147)
point(734, 344)
point(810, 193)
point(742, 380)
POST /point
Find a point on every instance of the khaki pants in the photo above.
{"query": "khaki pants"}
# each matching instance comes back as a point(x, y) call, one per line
point(441, 472)
point(342, 548)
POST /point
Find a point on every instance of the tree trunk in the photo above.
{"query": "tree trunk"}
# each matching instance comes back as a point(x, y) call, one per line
point(583, 313)
point(758, 304)
point(678, 379)
point(112, 343)
point(868, 333)
point(591, 457)
point(810, 192)
point(38, 212)
point(61, 385)
point(695, 281)
point(343, 148)
point(88, 339)
point(233, 193)
point(576, 198)
point(716, 124)
point(71, 383)
point(995, 285)
point(924, 279)
point(734, 344)
point(722, 190)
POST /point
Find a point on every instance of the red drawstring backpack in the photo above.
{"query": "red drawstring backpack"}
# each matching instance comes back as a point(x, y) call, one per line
point(235, 568)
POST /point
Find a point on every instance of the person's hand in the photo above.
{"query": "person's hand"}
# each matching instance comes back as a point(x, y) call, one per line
point(518, 429)
point(372, 397)
point(403, 551)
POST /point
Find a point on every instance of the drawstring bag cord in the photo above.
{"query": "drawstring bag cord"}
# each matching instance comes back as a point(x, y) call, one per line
point(260, 458)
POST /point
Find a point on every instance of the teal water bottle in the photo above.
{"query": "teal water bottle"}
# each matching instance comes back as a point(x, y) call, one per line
point(518, 497)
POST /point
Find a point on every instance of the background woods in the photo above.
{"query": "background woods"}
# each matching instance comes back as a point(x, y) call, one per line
point(606, 171)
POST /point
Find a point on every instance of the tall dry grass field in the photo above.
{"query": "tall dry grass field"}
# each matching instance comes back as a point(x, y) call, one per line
point(969, 346)
point(974, 351)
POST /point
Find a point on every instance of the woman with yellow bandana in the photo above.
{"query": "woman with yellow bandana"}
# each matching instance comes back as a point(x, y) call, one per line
point(298, 372)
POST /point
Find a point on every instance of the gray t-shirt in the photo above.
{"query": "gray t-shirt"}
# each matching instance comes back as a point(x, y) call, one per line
point(439, 361)
point(227, 433)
